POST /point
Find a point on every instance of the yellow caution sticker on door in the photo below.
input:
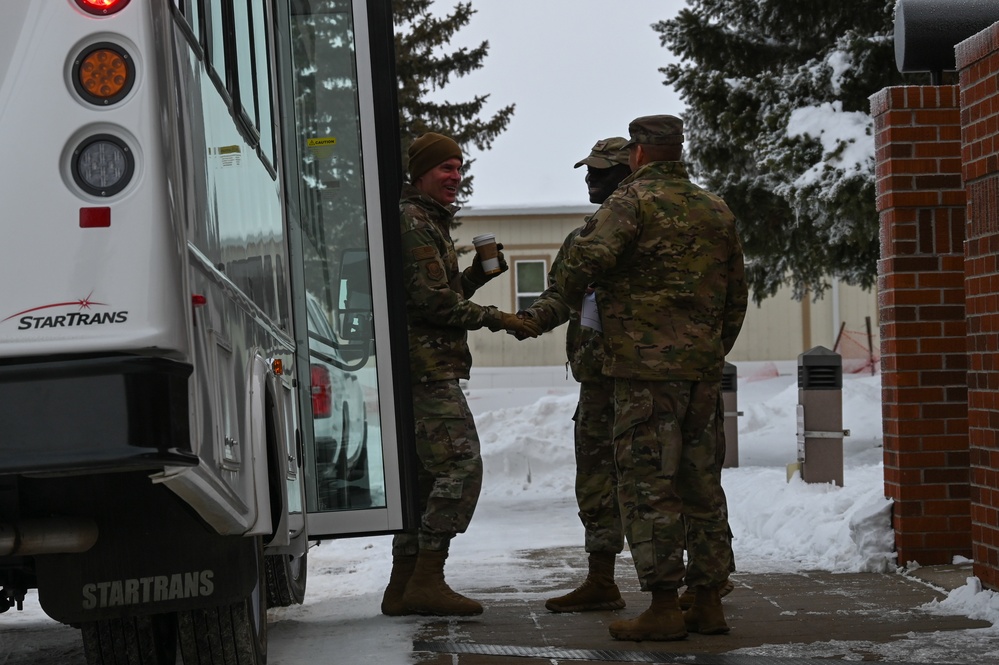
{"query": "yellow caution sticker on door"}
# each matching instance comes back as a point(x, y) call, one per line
point(321, 147)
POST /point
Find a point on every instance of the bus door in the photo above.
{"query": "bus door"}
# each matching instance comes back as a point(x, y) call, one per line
point(341, 120)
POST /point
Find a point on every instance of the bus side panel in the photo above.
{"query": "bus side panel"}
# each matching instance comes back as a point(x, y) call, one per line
point(229, 207)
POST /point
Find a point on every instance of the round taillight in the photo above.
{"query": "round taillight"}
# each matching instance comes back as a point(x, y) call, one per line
point(103, 73)
point(101, 7)
point(103, 165)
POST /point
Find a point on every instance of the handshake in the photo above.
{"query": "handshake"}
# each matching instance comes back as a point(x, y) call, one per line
point(520, 325)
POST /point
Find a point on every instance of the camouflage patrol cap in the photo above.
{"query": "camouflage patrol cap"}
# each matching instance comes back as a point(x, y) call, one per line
point(656, 130)
point(606, 153)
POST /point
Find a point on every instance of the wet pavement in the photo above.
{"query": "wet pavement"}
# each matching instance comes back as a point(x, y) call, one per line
point(779, 618)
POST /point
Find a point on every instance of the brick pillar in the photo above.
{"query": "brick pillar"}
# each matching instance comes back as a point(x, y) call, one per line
point(978, 62)
point(921, 201)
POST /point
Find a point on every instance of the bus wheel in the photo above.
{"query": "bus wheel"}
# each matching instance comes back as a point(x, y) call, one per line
point(231, 634)
point(286, 577)
point(140, 640)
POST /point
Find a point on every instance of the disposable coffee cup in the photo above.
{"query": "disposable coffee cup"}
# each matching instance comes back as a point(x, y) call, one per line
point(485, 247)
point(589, 317)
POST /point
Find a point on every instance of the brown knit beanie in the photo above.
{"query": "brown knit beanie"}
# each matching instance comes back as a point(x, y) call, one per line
point(430, 150)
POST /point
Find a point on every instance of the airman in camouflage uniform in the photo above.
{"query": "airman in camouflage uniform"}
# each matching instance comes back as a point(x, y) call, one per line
point(667, 265)
point(596, 478)
point(439, 316)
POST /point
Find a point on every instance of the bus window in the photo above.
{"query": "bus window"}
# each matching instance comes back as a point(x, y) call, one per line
point(262, 72)
point(243, 86)
point(191, 11)
point(215, 48)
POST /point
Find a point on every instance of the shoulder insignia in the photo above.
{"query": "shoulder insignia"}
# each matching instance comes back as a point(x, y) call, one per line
point(424, 252)
point(435, 270)
point(591, 224)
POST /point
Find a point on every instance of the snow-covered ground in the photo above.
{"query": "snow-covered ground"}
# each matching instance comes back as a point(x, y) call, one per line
point(527, 504)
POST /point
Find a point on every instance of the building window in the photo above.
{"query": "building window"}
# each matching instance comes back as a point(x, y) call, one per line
point(530, 281)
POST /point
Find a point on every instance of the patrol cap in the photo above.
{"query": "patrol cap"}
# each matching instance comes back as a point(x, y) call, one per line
point(430, 150)
point(656, 130)
point(606, 153)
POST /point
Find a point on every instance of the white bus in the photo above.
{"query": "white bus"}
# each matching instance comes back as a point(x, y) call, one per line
point(202, 363)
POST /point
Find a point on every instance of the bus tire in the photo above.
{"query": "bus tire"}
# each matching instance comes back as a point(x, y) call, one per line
point(230, 634)
point(286, 578)
point(140, 640)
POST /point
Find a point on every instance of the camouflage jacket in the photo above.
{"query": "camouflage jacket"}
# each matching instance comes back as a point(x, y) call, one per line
point(437, 305)
point(667, 262)
point(584, 347)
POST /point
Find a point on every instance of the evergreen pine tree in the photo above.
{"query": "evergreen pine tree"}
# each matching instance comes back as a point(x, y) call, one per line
point(753, 74)
point(425, 62)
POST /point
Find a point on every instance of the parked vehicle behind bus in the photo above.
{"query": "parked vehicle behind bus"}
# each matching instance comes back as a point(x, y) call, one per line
point(184, 183)
point(339, 415)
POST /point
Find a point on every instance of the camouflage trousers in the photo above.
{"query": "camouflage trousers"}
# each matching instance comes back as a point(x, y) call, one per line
point(669, 446)
point(596, 475)
point(450, 473)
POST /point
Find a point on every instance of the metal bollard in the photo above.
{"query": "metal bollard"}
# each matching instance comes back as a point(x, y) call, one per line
point(820, 416)
point(730, 401)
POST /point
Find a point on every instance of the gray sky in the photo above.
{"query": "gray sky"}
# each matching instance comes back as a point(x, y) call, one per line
point(578, 71)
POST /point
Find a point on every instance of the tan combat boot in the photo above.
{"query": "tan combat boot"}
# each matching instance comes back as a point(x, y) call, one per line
point(428, 593)
point(706, 615)
point(687, 597)
point(402, 570)
point(662, 622)
point(597, 592)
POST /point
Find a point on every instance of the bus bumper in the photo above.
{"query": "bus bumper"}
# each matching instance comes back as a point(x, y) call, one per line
point(81, 415)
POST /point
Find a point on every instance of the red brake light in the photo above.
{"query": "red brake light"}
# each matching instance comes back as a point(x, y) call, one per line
point(322, 392)
point(101, 7)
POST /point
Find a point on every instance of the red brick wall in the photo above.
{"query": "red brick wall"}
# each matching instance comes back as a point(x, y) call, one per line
point(978, 62)
point(921, 201)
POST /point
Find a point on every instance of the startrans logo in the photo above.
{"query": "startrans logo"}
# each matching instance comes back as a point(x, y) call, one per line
point(88, 312)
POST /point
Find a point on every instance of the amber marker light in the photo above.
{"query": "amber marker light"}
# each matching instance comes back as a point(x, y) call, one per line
point(103, 74)
point(101, 7)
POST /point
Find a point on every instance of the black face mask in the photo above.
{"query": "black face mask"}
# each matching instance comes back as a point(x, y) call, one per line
point(602, 182)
